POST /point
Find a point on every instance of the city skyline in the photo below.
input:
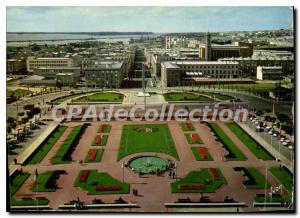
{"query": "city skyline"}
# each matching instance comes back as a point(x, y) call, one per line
point(147, 19)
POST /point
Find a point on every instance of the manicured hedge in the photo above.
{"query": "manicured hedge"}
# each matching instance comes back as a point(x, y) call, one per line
point(17, 180)
point(234, 152)
point(38, 155)
point(46, 182)
point(63, 155)
point(256, 179)
point(259, 151)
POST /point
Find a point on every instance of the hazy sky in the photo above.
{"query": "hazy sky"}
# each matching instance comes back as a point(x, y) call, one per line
point(154, 19)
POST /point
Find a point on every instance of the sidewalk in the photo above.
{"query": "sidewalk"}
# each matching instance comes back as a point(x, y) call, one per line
point(268, 147)
point(35, 144)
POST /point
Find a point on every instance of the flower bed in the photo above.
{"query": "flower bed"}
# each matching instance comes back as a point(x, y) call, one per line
point(203, 153)
point(214, 173)
point(188, 126)
point(195, 138)
point(104, 128)
point(108, 188)
point(92, 154)
point(98, 139)
point(191, 187)
point(84, 175)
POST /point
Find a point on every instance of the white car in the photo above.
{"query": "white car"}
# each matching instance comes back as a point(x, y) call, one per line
point(271, 132)
point(285, 143)
point(291, 147)
point(275, 134)
point(282, 139)
point(268, 128)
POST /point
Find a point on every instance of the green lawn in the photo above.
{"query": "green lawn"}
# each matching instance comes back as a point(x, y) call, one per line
point(29, 202)
point(102, 97)
point(185, 96)
point(18, 92)
point(62, 156)
point(97, 158)
point(259, 181)
point(106, 128)
point(252, 145)
point(68, 97)
point(46, 146)
point(18, 181)
point(199, 177)
point(188, 137)
point(46, 182)
point(272, 199)
point(283, 176)
point(234, 152)
point(199, 157)
point(101, 179)
point(186, 126)
point(255, 87)
point(136, 139)
point(218, 96)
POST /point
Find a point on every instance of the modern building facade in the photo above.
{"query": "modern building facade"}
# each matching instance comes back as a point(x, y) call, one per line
point(174, 72)
point(33, 62)
point(51, 73)
point(269, 73)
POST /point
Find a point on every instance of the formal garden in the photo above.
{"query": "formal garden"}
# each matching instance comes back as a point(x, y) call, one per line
point(186, 96)
point(200, 181)
point(259, 151)
point(101, 97)
point(97, 183)
point(234, 153)
point(146, 138)
point(43, 149)
point(201, 154)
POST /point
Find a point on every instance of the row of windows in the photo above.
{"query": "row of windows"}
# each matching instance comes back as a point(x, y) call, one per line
point(209, 67)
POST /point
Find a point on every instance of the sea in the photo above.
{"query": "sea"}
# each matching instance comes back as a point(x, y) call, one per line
point(24, 39)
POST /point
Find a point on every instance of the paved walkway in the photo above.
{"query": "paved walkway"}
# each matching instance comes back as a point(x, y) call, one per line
point(153, 190)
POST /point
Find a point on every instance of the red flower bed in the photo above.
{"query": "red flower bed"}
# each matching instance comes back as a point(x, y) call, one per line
point(98, 139)
point(214, 173)
point(84, 175)
point(195, 138)
point(103, 128)
point(203, 153)
point(188, 126)
point(92, 154)
point(191, 187)
point(108, 188)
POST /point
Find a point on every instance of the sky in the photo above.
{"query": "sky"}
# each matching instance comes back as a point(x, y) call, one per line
point(152, 19)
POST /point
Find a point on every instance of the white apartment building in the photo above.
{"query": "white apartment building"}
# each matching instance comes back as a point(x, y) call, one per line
point(33, 62)
point(174, 72)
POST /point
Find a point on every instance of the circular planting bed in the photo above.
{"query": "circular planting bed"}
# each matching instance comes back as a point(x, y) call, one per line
point(148, 164)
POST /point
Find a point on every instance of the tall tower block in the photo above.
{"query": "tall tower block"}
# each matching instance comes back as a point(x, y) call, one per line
point(168, 42)
point(208, 47)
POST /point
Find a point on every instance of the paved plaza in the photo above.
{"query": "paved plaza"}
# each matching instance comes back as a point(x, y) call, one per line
point(153, 190)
